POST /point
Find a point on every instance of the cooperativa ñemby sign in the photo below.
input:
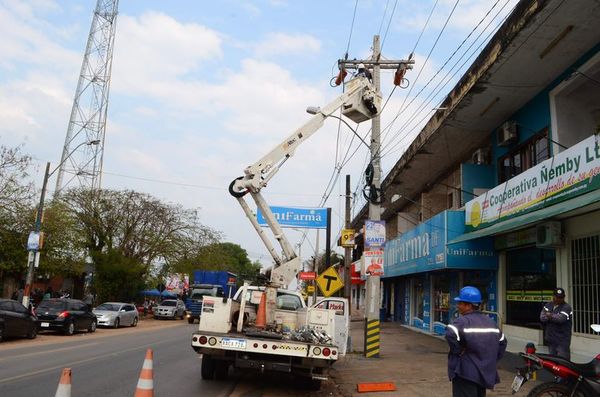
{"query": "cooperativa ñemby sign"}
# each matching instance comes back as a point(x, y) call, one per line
point(301, 217)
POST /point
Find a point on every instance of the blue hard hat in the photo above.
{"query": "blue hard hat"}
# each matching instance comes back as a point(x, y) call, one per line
point(469, 294)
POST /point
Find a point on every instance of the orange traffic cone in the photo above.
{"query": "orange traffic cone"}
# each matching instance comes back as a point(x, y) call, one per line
point(64, 386)
point(261, 314)
point(145, 386)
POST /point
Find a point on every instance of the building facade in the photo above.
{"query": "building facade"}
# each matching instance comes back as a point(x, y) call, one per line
point(501, 187)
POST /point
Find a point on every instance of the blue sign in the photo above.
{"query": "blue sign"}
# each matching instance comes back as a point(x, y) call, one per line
point(307, 218)
point(426, 248)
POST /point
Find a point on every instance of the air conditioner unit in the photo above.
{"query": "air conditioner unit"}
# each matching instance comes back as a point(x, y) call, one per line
point(479, 157)
point(507, 133)
point(549, 234)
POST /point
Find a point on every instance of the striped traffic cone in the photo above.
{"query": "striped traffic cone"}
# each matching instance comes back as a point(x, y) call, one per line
point(64, 386)
point(145, 386)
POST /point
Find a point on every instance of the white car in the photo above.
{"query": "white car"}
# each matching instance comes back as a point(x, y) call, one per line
point(115, 314)
point(170, 308)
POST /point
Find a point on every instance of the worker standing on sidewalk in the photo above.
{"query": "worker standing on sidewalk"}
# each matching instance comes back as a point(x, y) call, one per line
point(476, 346)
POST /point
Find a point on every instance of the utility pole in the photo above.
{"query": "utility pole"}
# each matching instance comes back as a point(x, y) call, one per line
point(373, 282)
point(348, 250)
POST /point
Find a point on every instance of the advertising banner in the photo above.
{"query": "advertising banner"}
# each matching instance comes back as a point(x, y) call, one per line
point(568, 174)
point(177, 283)
point(301, 217)
point(374, 234)
point(373, 263)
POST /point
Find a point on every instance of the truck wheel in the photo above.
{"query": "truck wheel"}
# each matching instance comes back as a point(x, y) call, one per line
point(208, 367)
point(191, 320)
point(221, 370)
point(314, 384)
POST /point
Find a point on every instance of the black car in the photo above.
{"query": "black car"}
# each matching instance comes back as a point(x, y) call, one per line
point(66, 315)
point(16, 320)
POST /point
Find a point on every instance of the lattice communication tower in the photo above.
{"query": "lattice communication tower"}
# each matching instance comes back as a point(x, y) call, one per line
point(83, 152)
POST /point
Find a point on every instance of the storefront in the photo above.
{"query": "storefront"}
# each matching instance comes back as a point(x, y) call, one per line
point(546, 228)
point(423, 272)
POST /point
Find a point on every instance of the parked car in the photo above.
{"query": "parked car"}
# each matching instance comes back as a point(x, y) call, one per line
point(16, 320)
point(114, 314)
point(170, 308)
point(66, 315)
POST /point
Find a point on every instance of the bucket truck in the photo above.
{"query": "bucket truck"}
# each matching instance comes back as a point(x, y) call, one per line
point(298, 340)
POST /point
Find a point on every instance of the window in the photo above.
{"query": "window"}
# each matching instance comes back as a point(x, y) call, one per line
point(530, 279)
point(585, 273)
point(288, 302)
point(528, 155)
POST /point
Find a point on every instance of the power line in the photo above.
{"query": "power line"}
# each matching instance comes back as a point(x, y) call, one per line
point(434, 92)
point(445, 80)
point(402, 108)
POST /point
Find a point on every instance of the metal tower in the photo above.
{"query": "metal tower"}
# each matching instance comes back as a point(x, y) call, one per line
point(83, 151)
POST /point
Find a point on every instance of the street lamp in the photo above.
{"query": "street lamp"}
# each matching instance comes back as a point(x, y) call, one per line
point(34, 238)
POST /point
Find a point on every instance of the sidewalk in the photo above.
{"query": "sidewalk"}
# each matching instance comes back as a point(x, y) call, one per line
point(414, 361)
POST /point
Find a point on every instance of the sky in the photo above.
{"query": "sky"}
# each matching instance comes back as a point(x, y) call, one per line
point(202, 89)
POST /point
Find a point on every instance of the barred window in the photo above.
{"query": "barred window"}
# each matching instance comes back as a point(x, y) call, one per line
point(585, 257)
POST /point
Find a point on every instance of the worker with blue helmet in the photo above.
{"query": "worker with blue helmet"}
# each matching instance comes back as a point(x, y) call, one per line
point(476, 346)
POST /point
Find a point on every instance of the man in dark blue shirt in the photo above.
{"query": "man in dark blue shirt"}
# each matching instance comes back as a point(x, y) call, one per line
point(476, 346)
point(557, 318)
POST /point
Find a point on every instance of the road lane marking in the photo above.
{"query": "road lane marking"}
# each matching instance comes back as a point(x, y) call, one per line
point(73, 363)
point(47, 351)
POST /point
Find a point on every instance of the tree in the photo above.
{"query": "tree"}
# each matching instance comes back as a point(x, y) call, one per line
point(15, 211)
point(221, 256)
point(117, 277)
point(137, 226)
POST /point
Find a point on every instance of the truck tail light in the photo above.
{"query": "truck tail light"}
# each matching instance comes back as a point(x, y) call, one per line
point(212, 341)
point(203, 339)
point(326, 352)
point(317, 351)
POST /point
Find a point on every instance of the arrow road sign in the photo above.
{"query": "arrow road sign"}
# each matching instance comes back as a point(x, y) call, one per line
point(329, 282)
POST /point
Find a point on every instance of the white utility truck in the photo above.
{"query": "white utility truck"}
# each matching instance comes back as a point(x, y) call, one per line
point(294, 339)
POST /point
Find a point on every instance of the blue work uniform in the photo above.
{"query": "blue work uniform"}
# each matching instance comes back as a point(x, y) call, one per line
point(476, 346)
point(558, 320)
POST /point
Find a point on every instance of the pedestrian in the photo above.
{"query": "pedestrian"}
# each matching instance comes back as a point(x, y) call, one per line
point(476, 346)
point(20, 294)
point(48, 293)
point(146, 307)
point(557, 320)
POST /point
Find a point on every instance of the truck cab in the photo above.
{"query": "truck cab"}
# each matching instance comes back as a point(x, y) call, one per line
point(193, 304)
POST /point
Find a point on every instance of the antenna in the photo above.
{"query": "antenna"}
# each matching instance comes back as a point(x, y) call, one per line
point(81, 160)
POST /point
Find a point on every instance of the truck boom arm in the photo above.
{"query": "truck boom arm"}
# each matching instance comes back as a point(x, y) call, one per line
point(360, 102)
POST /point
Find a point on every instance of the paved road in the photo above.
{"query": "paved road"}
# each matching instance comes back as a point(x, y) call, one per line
point(108, 362)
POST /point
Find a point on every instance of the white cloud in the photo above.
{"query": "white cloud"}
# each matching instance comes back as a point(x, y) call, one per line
point(282, 43)
point(154, 49)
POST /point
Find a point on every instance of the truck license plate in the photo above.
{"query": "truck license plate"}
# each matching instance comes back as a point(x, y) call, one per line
point(45, 324)
point(235, 343)
point(517, 383)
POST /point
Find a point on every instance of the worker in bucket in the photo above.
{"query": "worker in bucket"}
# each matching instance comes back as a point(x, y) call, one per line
point(476, 346)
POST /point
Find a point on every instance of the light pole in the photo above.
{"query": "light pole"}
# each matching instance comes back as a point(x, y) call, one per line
point(34, 249)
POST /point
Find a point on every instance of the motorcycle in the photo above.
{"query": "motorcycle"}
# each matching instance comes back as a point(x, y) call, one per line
point(572, 379)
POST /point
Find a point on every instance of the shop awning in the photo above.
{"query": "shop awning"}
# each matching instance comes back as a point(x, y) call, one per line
point(532, 217)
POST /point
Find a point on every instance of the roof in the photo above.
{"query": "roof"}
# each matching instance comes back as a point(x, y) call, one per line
point(546, 35)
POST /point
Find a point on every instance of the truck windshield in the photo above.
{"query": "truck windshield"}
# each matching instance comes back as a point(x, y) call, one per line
point(199, 293)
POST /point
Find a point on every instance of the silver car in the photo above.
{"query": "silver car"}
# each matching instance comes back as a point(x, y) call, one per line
point(115, 314)
point(170, 308)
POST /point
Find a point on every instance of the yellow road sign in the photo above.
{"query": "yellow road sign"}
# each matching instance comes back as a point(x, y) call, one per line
point(329, 282)
point(347, 238)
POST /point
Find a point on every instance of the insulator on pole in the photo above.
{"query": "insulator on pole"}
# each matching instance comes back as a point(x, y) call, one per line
point(341, 76)
point(399, 75)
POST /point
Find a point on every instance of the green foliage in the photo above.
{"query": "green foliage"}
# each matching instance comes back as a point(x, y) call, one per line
point(221, 256)
point(117, 277)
